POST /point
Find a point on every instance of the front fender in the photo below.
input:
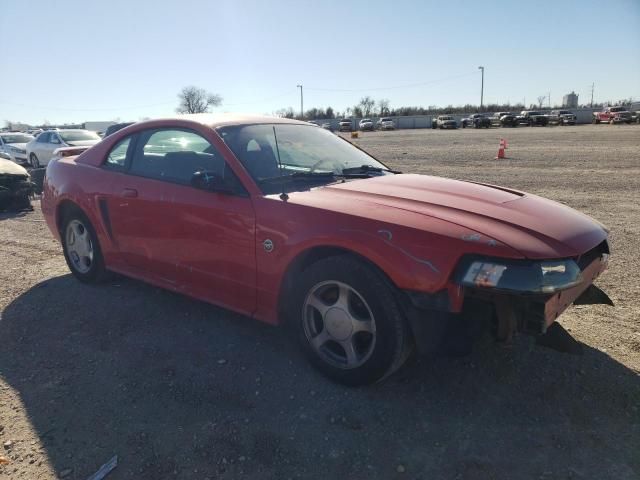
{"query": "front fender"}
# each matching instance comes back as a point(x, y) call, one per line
point(413, 259)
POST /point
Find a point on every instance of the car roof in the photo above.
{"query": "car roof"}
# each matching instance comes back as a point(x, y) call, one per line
point(226, 119)
point(62, 130)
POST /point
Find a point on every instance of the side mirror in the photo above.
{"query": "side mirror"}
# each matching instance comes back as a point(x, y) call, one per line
point(210, 181)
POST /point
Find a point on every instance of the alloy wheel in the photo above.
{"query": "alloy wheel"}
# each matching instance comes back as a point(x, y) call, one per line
point(339, 325)
point(79, 246)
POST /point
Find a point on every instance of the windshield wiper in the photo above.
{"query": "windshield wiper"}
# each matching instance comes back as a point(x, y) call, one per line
point(301, 176)
point(366, 169)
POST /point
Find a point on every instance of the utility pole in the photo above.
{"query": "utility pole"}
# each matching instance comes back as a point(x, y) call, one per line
point(481, 88)
point(592, 85)
point(301, 103)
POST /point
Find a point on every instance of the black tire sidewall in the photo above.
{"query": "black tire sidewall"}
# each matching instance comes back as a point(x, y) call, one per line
point(97, 271)
point(391, 327)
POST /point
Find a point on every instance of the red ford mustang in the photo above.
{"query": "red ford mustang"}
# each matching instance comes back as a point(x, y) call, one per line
point(287, 222)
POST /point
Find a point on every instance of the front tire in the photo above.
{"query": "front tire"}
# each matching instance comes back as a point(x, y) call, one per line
point(33, 161)
point(348, 321)
point(81, 248)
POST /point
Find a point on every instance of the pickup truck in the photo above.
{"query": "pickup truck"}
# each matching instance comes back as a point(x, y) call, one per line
point(444, 121)
point(504, 119)
point(477, 120)
point(562, 117)
point(532, 118)
point(345, 125)
point(612, 115)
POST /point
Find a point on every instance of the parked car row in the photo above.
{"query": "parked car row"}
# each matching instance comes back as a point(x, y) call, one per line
point(529, 118)
point(612, 115)
point(366, 124)
point(37, 151)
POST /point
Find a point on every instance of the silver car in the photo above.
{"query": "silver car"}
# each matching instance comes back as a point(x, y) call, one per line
point(15, 145)
point(41, 149)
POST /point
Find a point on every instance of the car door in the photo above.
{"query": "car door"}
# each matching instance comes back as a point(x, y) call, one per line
point(193, 240)
point(41, 140)
point(51, 146)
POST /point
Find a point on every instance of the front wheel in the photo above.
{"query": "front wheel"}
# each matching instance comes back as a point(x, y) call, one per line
point(348, 321)
point(33, 161)
point(81, 248)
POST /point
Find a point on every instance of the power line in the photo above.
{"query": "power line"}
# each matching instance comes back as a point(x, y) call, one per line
point(410, 85)
point(26, 105)
point(130, 107)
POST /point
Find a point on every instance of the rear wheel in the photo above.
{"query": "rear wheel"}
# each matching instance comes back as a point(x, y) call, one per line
point(348, 322)
point(33, 161)
point(81, 248)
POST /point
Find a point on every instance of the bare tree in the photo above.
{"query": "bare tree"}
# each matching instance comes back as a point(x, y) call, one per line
point(366, 105)
point(541, 100)
point(383, 105)
point(197, 100)
point(285, 113)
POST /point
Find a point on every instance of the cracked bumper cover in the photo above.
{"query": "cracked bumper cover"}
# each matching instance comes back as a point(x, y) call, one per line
point(430, 315)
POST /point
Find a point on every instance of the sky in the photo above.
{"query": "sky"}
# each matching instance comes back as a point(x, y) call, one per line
point(76, 61)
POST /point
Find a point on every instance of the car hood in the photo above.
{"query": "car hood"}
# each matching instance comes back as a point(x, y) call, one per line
point(82, 143)
point(21, 146)
point(7, 167)
point(534, 226)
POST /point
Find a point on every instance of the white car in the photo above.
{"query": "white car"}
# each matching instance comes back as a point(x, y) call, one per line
point(42, 148)
point(15, 145)
point(386, 123)
point(366, 124)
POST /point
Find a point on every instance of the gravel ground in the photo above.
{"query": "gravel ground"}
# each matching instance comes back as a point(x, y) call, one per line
point(180, 389)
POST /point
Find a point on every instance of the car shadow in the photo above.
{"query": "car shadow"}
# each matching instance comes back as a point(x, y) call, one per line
point(14, 213)
point(181, 389)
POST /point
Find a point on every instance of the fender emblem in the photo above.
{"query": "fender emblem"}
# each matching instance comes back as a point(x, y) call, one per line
point(268, 245)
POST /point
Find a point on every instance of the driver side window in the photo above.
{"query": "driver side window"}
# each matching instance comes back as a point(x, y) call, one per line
point(175, 155)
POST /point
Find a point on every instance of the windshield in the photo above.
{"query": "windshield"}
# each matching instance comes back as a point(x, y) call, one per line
point(78, 135)
point(618, 109)
point(446, 118)
point(365, 120)
point(306, 153)
point(19, 138)
point(385, 120)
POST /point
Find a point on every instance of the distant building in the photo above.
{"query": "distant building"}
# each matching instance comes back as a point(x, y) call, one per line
point(570, 100)
point(97, 126)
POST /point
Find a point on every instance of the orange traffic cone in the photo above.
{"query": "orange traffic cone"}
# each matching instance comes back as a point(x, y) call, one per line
point(500, 153)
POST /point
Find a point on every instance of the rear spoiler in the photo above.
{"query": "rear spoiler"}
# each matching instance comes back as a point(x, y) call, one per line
point(68, 151)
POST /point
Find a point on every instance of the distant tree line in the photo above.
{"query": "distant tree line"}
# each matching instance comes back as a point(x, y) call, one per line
point(368, 107)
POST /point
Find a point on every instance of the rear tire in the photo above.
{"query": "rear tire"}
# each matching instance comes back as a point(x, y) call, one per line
point(81, 248)
point(348, 322)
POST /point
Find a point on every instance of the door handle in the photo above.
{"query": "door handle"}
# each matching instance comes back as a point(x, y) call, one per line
point(129, 192)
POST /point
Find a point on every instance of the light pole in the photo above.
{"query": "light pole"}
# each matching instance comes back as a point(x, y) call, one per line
point(481, 88)
point(301, 103)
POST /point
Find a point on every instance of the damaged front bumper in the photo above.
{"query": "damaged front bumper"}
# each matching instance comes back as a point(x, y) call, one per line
point(506, 298)
point(15, 191)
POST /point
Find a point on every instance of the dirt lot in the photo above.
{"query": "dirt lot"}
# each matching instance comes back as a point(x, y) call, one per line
point(181, 389)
